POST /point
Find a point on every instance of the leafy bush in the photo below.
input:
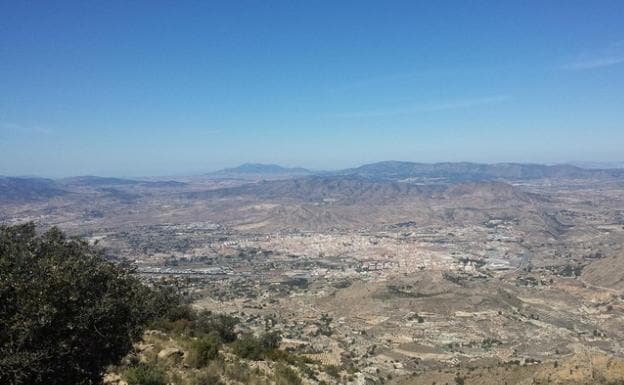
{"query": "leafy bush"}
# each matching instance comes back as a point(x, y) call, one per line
point(270, 341)
point(248, 347)
point(181, 319)
point(238, 371)
point(220, 324)
point(145, 375)
point(206, 378)
point(203, 351)
point(254, 348)
point(65, 312)
point(332, 370)
point(175, 315)
point(286, 376)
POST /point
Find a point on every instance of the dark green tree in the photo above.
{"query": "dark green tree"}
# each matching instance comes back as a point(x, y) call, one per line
point(65, 311)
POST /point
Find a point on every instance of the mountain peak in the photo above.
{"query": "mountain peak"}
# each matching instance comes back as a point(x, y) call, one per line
point(262, 169)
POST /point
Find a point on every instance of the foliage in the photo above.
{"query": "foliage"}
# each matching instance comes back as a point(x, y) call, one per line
point(241, 372)
point(488, 343)
point(284, 375)
point(332, 370)
point(206, 377)
point(65, 312)
point(249, 347)
point(175, 315)
point(203, 351)
point(270, 341)
point(145, 375)
point(325, 325)
point(168, 297)
point(220, 324)
point(181, 319)
point(255, 348)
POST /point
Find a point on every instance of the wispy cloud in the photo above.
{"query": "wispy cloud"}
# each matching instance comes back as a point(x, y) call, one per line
point(12, 127)
point(375, 81)
point(428, 107)
point(393, 78)
point(594, 63)
point(464, 103)
point(610, 56)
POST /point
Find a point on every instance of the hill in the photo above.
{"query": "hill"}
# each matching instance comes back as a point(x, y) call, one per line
point(259, 170)
point(465, 171)
point(446, 172)
point(606, 272)
point(98, 181)
point(343, 189)
point(352, 189)
point(25, 189)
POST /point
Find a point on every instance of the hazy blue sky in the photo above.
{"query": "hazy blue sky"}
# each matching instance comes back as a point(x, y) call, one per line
point(153, 88)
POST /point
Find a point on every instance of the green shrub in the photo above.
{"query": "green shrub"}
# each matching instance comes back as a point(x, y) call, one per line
point(220, 324)
point(248, 347)
point(203, 351)
point(65, 311)
point(238, 371)
point(145, 375)
point(206, 377)
point(175, 316)
point(253, 348)
point(181, 319)
point(332, 370)
point(284, 375)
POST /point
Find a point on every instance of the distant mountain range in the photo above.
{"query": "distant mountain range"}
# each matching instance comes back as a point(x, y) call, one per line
point(600, 165)
point(459, 171)
point(317, 188)
point(259, 170)
point(34, 189)
point(27, 189)
point(465, 171)
point(97, 181)
point(351, 189)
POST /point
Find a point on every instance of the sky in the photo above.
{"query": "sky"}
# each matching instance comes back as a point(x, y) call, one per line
point(130, 88)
